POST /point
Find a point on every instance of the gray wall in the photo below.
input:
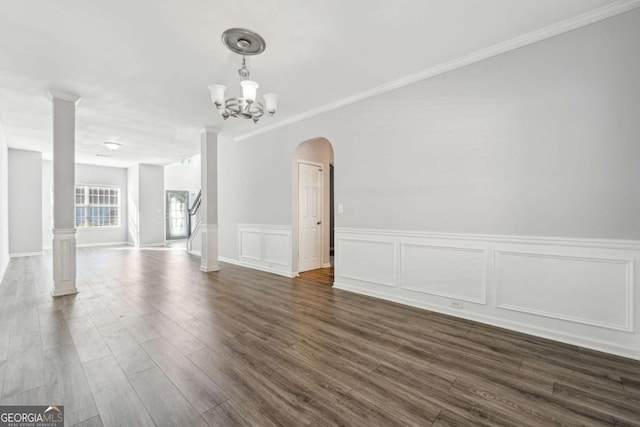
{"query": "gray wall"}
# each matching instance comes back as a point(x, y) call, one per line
point(133, 206)
point(87, 175)
point(146, 205)
point(4, 202)
point(539, 141)
point(152, 220)
point(25, 201)
point(183, 177)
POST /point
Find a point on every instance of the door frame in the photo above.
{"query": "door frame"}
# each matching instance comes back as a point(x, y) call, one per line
point(322, 224)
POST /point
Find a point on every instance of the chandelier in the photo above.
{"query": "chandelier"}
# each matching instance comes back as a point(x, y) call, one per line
point(244, 43)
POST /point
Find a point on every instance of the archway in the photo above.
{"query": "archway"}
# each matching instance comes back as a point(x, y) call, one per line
point(312, 205)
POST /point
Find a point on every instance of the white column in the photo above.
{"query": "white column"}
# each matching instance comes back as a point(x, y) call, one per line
point(209, 205)
point(64, 231)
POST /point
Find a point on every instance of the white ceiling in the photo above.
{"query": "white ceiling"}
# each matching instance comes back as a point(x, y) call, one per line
point(142, 67)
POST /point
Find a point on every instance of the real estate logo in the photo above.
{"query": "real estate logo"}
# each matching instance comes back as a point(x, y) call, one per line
point(32, 416)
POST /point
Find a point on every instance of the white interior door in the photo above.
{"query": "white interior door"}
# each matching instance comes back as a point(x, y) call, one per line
point(310, 182)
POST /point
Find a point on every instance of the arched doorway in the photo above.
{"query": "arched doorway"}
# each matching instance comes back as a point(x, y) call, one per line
point(312, 196)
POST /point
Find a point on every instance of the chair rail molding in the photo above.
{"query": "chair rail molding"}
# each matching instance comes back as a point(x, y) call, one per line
point(579, 291)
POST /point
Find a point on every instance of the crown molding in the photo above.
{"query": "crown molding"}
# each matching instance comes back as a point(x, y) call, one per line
point(65, 96)
point(578, 21)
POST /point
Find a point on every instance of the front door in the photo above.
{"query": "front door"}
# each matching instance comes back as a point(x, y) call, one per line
point(310, 182)
point(177, 215)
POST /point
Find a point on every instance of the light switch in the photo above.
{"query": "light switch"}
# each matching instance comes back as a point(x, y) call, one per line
point(340, 208)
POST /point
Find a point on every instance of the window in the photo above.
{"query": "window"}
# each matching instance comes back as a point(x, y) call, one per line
point(97, 206)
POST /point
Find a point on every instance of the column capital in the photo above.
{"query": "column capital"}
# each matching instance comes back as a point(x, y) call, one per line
point(65, 96)
point(212, 129)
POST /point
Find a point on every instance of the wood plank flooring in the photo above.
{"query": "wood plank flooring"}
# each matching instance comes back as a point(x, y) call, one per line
point(151, 340)
point(321, 275)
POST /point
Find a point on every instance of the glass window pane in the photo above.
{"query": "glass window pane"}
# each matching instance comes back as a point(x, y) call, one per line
point(102, 206)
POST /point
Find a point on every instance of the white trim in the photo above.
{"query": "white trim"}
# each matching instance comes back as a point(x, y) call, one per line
point(257, 267)
point(209, 252)
point(3, 269)
point(65, 96)
point(529, 240)
point(581, 20)
point(92, 245)
point(23, 254)
point(265, 226)
point(391, 284)
point(64, 262)
point(212, 129)
point(64, 231)
point(481, 251)
point(630, 352)
point(260, 259)
point(628, 325)
point(326, 265)
point(98, 228)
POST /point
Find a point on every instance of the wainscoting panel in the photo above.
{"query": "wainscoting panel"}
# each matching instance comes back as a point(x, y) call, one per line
point(579, 291)
point(277, 248)
point(593, 291)
point(368, 261)
point(265, 247)
point(251, 244)
point(444, 270)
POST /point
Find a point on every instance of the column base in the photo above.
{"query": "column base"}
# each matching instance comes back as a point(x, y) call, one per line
point(64, 262)
point(209, 256)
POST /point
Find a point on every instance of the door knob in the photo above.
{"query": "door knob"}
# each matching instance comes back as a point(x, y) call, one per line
point(319, 222)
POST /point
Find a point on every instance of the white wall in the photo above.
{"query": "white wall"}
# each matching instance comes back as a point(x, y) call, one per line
point(152, 220)
point(133, 205)
point(183, 177)
point(25, 202)
point(539, 141)
point(4, 203)
point(87, 175)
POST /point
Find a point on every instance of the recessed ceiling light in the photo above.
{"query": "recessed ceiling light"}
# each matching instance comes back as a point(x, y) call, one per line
point(112, 145)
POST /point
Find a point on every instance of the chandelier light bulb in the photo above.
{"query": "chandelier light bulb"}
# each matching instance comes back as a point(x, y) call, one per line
point(217, 94)
point(249, 89)
point(271, 103)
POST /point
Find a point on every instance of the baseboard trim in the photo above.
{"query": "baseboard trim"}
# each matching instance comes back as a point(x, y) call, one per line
point(3, 269)
point(23, 254)
point(95, 245)
point(196, 253)
point(629, 352)
point(326, 265)
point(257, 267)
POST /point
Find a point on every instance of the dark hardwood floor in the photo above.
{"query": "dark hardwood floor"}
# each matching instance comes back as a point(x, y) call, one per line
point(152, 340)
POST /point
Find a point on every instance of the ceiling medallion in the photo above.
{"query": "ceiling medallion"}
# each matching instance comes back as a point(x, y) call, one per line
point(244, 43)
